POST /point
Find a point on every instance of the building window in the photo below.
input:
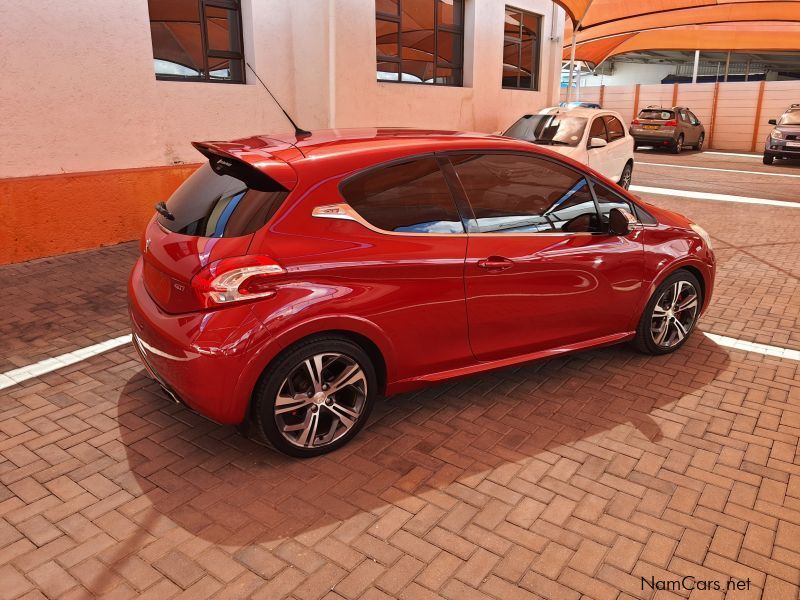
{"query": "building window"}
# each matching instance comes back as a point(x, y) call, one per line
point(197, 40)
point(521, 50)
point(420, 41)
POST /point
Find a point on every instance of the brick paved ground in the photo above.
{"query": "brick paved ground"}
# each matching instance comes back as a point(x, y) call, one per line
point(576, 476)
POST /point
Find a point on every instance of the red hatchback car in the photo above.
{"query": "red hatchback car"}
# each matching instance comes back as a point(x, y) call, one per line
point(290, 281)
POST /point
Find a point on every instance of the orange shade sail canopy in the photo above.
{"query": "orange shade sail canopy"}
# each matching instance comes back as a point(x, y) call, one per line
point(609, 27)
point(764, 36)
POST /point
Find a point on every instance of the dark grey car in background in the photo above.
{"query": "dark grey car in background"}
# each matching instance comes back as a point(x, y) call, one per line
point(673, 128)
point(784, 139)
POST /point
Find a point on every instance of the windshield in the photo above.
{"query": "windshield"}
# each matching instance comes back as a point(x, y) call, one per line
point(663, 115)
point(790, 118)
point(548, 129)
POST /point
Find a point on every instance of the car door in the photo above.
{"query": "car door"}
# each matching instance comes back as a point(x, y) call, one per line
point(598, 158)
point(619, 149)
point(541, 272)
point(690, 133)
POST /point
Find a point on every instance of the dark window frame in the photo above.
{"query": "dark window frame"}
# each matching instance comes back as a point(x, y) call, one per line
point(236, 7)
point(591, 125)
point(606, 119)
point(536, 49)
point(437, 27)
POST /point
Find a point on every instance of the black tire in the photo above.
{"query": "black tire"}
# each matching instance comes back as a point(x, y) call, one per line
point(768, 158)
point(276, 375)
point(699, 145)
point(678, 145)
point(644, 341)
point(625, 178)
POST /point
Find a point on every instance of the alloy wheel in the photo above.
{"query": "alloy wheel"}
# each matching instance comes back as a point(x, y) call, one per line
point(320, 400)
point(700, 142)
point(627, 174)
point(674, 314)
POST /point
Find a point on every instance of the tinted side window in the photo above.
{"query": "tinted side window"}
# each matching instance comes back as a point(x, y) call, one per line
point(606, 200)
point(211, 205)
point(692, 118)
point(523, 194)
point(598, 129)
point(614, 127)
point(684, 116)
point(410, 197)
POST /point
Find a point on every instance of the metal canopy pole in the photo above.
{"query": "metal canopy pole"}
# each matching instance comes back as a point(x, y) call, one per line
point(727, 65)
point(572, 51)
point(696, 65)
point(571, 68)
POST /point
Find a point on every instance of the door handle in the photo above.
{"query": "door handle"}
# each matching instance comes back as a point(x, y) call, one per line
point(495, 263)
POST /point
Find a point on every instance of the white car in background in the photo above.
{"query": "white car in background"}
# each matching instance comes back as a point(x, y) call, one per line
point(594, 137)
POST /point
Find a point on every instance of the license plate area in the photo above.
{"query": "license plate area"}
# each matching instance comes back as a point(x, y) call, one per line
point(793, 144)
point(651, 126)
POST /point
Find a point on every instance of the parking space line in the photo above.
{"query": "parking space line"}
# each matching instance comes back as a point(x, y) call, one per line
point(715, 169)
point(711, 196)
point(766, 349)
point(48, 365)
point(755, 156)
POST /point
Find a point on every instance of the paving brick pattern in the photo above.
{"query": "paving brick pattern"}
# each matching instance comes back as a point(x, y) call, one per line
point(568, 478)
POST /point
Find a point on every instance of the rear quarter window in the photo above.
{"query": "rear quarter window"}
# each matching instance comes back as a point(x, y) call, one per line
point(208, 204)
point(406, 197)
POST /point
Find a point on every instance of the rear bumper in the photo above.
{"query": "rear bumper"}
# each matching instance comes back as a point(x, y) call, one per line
point(655, 139)
point(202, 359)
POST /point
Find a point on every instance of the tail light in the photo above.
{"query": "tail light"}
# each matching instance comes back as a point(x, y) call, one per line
point(237, 279)
point(671, 123)
point(636, 122)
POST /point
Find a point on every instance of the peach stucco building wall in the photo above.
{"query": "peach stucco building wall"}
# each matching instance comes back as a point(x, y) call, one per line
point(79, 96)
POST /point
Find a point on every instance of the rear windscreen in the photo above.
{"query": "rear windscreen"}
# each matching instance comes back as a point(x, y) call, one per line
point(212, 205)
point(663, 115)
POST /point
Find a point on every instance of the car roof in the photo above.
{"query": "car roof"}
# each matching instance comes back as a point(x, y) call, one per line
point(360, 146)
point(578, 111)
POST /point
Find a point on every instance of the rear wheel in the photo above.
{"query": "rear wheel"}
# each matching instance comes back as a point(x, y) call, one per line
point(316, 396)
point(635, 146)
point(678, 145)
point(768, 158)
point(699, 145)
point(671, 314)
point(627, 174)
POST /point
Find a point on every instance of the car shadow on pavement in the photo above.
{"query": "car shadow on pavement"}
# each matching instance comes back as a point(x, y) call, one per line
point(443, 445)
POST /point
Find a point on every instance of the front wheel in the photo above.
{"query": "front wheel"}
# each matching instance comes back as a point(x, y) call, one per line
point(316, 396)
point(671, 314)
point(627, 175)
point(700, 140)
point(768, 158)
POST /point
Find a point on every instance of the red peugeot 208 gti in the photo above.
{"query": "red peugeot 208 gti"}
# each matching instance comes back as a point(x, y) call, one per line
point(290, 281)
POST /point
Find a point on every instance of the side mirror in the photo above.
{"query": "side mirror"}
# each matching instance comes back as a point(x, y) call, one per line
point(597, 143)
point(773, 121)
point(620, 222)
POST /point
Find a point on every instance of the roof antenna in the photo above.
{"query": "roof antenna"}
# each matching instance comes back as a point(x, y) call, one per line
point(298, 132)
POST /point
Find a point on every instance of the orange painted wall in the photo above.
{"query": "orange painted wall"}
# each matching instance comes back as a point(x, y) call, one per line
point(56, 214)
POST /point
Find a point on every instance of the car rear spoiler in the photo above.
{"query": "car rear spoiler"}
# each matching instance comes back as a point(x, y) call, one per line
point(256, 167)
